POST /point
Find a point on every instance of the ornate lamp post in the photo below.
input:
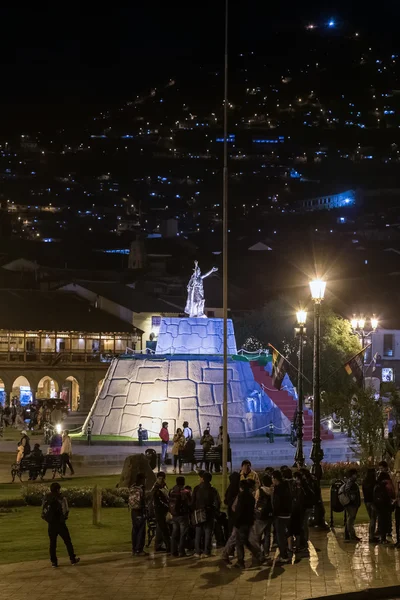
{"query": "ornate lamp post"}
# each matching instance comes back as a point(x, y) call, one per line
point(300, 331)
point(317, 288)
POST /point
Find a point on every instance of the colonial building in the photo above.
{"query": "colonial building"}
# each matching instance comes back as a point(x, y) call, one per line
point(57, 344)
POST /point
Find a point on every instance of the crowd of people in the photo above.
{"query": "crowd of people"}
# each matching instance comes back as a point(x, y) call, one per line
point(60, 445)
point(261, 514)
point(37, 413)
point(381, 493)
point(184, 445)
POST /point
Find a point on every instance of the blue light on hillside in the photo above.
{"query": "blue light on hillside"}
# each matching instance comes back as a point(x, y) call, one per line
point(331, 23)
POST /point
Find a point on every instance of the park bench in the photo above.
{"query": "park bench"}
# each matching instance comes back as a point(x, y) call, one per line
point(212, 456)
point(50, 462)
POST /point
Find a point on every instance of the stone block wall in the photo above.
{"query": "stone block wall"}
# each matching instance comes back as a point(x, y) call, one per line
point(194, 336)
point(152, 390)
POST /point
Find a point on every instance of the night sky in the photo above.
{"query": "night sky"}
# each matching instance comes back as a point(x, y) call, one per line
point(61, 61)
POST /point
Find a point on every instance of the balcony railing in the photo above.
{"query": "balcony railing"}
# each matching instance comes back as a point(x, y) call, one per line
point(55, 358)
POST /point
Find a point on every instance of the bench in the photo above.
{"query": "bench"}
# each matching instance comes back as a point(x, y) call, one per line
point(51, 462)
point(212, 456)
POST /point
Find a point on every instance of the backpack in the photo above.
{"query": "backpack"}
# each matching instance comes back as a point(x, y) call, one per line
point(135, 500)
point(263, 506)
point(51, 510)
point(336, 505)
point(343, 496)
point(176, 503)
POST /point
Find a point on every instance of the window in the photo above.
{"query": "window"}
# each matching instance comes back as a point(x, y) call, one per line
point(387, 374)
point(388, 349)
point(155, 322)
point(211, 314)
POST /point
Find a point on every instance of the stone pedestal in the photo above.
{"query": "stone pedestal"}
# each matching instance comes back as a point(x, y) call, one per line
point(194, 336)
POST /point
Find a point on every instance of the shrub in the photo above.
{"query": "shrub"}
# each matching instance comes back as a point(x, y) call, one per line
point(11, 502)
point(76, 497)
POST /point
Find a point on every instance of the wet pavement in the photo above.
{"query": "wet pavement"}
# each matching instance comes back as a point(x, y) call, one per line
point(333, 567)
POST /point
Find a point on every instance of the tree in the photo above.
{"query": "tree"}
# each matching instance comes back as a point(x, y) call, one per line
point(367, 424)
point(252, 344)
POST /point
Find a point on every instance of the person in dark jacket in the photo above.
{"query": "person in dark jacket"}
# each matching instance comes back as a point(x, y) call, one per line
point(298, 510)
point(263, 519)
point(161, 507)
point(179, 507)
point(368, 486)
point(205, 504)
point(352, 490)
point(56, 508)
point(281, 510)
point(384, 496)
point(137, 505)
point(37, 456)
point(231, 495)
point(243, 522)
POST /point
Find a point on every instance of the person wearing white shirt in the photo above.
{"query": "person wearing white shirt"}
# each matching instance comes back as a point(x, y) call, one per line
point(187, 431)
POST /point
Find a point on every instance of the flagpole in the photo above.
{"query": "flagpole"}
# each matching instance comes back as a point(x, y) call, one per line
point(225, 267)
point(289, 363)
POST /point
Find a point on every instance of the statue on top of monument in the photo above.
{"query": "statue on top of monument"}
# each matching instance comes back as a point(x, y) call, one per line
point(195, 300)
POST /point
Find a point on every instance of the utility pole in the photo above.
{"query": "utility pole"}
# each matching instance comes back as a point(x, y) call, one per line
point(225, 266)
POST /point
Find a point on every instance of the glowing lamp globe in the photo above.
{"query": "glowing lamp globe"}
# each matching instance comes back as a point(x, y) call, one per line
point(374, 322)
point(317, 288)
point(361, 323)
point(301, 317)
point(354, 323)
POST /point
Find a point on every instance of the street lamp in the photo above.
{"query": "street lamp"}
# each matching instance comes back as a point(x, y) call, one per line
point(317, 288)
point(358, 325)
point(300, 330)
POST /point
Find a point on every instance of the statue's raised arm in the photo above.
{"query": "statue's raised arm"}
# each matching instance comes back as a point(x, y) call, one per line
point(209, 272)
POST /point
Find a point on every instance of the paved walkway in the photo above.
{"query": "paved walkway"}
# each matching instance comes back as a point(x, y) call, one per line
point(333, 567)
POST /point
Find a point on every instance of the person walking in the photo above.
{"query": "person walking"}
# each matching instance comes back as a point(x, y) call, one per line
point(281, 511)
point(247, 472)
point(383, 499)
point(137, 505)
point(243, 522)
point(368, 486)
point(177, 449)
point(205, 504)
point(161, 507)
point(66, 452)
point(263, 519)
point(164, 436)
point(207, 441)
point(296, 533)
point(352, 491)
point(179, 507)
point(230, 496)
point(55, 512)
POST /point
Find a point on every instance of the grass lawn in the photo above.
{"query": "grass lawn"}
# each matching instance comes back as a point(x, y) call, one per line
point(24, 535)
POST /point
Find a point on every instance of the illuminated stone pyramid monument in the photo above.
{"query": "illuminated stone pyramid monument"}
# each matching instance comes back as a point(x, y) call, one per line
point(183, 381)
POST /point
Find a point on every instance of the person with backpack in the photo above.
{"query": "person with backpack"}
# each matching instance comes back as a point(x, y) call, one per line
point(281, 511)
point(205, 505)
point(368, 486)
point(137, 506)
point(263, 520)
point(349, 496)
point(160, 500)
point(164, 437)
point(179, 507)
point(384, 496)
point(177, 449)
point(55, 512)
